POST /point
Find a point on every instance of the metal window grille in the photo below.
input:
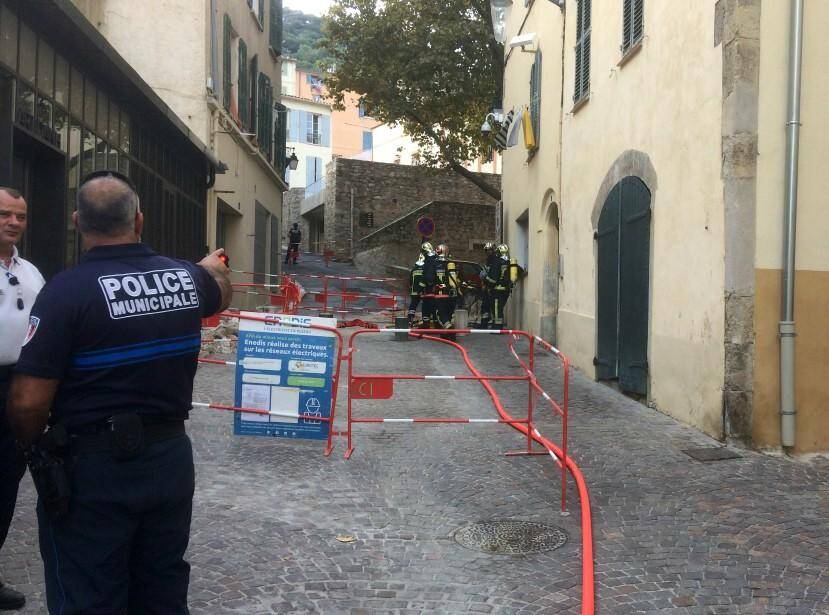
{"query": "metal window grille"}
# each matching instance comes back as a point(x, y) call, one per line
point(582, 77)
point(535, 97)
point(633, 26)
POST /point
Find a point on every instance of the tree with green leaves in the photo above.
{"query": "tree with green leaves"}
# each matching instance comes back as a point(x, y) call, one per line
point(432, 66)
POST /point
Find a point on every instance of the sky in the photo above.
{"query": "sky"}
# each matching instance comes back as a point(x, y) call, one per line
point(315, 7)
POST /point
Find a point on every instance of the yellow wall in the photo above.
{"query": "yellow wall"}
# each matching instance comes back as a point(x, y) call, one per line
point(812, 258)
point(666, 102)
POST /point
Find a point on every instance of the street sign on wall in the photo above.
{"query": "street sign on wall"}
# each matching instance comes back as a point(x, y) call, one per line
point(425, 226)
point(285, 370)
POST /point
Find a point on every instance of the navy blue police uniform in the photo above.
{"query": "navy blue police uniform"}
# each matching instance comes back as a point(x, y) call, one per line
point(121, 333)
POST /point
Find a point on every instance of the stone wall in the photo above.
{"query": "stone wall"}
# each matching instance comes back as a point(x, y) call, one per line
point(388, 191)
point(464, 227)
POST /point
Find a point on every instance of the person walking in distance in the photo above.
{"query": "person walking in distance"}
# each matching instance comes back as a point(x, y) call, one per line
point(20, 282)
point(294, 239)
point(109, 364)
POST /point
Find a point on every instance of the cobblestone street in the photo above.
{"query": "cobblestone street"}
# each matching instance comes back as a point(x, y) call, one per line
point(671, 534)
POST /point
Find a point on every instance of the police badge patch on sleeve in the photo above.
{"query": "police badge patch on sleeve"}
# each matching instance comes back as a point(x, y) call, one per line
point(34, 321)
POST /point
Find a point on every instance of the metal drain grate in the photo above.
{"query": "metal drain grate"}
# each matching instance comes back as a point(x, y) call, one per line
point(509, 537)
point(714, 453)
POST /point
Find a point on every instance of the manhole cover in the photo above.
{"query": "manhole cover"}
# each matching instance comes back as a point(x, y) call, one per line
point(714, 453)
point(508, 537)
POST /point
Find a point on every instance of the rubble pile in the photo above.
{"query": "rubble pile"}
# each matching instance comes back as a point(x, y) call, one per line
point(222, 338)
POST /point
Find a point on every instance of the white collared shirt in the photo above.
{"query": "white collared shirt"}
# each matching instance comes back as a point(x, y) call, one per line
point(14, 322)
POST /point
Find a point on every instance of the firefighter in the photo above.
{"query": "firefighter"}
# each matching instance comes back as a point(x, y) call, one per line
point(416, 286)
point(487, 284)
point(443, 283)
point(501, 277)
point(427, 252)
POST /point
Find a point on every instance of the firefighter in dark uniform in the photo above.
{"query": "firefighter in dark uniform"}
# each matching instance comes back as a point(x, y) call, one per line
point(416, 287)
point(443, 284)
point(428, 304)
point(108, 364)
point(499, 277)
point(487, 284)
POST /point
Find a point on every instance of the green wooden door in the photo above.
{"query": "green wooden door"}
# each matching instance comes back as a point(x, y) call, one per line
point(623, 286)
point(634, 284)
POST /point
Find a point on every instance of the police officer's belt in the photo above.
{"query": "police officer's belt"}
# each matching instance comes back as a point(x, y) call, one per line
point(102, 440)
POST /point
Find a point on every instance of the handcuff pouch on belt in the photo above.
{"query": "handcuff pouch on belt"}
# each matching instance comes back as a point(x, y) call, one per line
point(47, 464)
point(126, 434)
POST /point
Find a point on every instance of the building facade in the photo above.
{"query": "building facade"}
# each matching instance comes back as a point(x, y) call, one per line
point(649, 203)
point(70, 104)
point(216, 63)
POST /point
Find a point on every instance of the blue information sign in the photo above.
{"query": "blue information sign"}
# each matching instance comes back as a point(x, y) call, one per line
point(287, 371)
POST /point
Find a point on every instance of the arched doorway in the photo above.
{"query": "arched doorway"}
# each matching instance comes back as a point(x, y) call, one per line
point(623, 277)
point(549, 296)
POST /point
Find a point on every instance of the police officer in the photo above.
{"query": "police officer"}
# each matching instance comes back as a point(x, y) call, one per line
point(112, 352)
point(416, 287)
point(428, 305)
point(487, 284)
point(20, 281)
point(500, 279)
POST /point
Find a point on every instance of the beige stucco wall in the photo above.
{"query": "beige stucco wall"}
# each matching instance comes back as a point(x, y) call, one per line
point(170, 54)
point(812, 257)
point(168, 42)
point(665, 102)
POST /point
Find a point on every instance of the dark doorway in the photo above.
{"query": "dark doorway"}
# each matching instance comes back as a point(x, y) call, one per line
point(39, 172)
point(623, 277)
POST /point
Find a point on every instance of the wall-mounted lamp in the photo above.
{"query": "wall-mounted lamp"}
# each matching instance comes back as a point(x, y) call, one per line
point(293, 161)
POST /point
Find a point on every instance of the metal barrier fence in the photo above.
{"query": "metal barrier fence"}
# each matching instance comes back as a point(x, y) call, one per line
point(381, 386)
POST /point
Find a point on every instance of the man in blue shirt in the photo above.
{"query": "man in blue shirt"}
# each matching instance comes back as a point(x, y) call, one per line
point(108, 363)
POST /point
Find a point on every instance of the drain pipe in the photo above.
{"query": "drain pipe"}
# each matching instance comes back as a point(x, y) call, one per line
point(787, 328)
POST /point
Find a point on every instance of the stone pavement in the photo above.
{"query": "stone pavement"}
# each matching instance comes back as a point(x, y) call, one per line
point(672, 534)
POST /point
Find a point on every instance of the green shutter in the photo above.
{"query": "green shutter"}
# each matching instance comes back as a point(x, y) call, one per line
point(280, 140)
point(254, 107)
point(226, 67)
point(275, 34)
point(266, 115)
point(244, 85)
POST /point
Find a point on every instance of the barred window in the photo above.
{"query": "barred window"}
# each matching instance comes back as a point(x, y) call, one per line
point(535, 97)
point(582, 77)
point(632, 23)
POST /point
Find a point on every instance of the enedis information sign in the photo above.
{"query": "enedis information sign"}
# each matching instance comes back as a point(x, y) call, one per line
point(286, 370)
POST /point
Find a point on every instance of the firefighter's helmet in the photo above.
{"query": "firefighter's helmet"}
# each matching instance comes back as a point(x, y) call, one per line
point(489, 247)
point(442, 250)
point(426, 248)
point(502, 249)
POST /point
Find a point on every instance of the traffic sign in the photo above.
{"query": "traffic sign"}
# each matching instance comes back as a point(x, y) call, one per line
point(425, 226)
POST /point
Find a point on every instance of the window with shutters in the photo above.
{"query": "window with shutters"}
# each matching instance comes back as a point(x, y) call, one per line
point(633, 20)
point(535, 97)
point(244, 85)
point(581, 88)
point(275, 31)
point(368, 140)
point(313, 122)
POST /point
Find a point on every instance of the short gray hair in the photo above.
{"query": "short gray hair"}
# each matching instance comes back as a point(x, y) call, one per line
point(106, 206)
point(15, 194)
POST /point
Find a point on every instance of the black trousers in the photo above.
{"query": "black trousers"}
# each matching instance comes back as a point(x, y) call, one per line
point(444, 311)
point(12, 465)
point(121, 547)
